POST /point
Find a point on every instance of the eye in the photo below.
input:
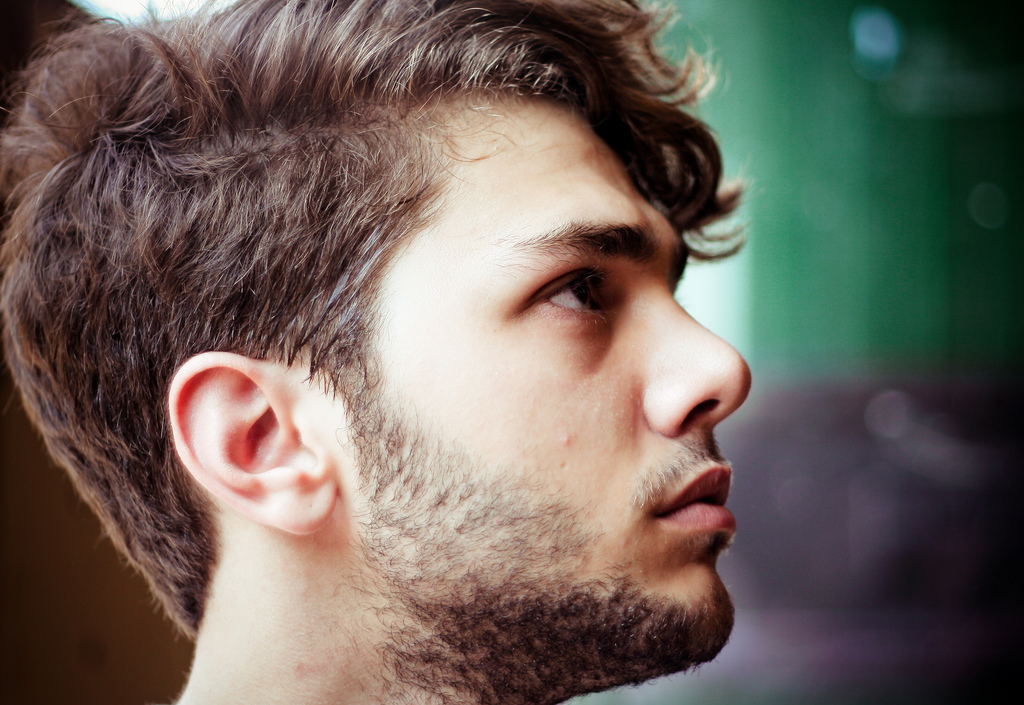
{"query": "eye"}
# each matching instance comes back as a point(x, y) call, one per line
point(581, 292)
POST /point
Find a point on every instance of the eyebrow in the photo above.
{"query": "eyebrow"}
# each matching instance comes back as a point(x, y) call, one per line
point(614, 241)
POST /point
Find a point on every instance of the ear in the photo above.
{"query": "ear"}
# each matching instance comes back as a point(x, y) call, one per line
point(251, 433)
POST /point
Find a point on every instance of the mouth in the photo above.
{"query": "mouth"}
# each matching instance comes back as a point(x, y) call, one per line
point(700, 505)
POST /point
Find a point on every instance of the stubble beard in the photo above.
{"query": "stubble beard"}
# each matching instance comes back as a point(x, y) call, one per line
point(485, 599)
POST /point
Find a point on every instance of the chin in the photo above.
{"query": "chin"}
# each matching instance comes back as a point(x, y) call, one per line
point(521, 644)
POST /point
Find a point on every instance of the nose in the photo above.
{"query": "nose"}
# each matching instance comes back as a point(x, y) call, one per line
point(695, 379)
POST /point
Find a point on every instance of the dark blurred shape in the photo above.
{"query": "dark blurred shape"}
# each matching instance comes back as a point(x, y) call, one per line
point(76, 625)
point(885, 493)
point(880, 546)
point(988, 206)
point(25, 23)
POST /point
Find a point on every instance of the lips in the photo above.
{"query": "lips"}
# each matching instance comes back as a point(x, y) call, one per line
point(701, 504)
point(710, 487)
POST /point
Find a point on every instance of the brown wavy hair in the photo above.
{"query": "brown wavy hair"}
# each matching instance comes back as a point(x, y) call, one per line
point(237, 181)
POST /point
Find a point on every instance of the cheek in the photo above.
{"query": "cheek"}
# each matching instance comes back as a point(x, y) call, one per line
point(521, 409)
point(575, 440)
point(536, 394)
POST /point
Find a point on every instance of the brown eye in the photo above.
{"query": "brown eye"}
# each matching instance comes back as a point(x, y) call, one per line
point(580, 293)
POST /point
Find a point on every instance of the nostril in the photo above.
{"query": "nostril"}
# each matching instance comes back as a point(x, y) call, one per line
point(705, 407)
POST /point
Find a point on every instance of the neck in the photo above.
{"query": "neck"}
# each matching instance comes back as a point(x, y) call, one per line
point(291, 623)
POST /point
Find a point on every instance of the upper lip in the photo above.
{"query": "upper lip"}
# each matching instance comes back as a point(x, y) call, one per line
point(711, 487)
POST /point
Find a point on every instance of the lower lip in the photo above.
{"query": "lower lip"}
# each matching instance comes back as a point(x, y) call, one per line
point(701, 516)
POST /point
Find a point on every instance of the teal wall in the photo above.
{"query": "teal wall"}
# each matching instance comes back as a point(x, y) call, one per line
point(864, 253)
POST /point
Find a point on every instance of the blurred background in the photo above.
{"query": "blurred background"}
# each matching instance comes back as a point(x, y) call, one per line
point(879, 462)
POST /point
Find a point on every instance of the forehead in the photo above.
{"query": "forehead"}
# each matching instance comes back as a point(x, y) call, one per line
point(535, 135)
point(518, 170)
point(519, 166)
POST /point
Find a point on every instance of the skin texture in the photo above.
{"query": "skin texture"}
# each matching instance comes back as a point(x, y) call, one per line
point(485, 521)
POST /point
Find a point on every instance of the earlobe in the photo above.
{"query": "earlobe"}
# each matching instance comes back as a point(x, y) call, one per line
point(242, 429)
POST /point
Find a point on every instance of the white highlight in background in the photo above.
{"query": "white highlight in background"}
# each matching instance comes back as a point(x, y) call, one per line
point(717, 294)
point(136, 10)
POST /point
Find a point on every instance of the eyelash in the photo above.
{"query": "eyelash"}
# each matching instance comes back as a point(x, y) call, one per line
point(586, 287)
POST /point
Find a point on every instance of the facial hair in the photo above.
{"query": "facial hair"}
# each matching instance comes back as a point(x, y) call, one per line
point(483, 579)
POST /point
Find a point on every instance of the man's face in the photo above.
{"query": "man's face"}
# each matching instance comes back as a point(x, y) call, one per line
point(538, 463)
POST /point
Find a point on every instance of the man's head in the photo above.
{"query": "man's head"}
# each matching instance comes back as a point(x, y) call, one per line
point(463, 221)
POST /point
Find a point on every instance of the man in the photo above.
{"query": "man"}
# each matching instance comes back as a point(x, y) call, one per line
point(354, 321)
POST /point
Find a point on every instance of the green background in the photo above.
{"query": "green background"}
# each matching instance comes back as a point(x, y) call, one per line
point(864, 255)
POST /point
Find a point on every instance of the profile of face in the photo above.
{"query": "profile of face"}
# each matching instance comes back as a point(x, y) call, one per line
point(539, 488)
